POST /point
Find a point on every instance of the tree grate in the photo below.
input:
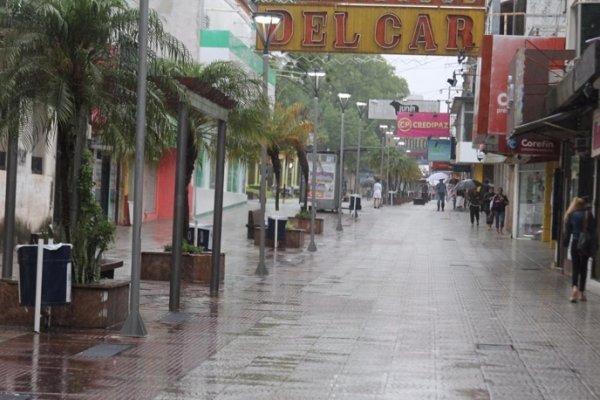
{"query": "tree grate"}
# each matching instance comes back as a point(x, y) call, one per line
point(104, 350)
point(14, 396)
point(175, 317)
point(494, 347)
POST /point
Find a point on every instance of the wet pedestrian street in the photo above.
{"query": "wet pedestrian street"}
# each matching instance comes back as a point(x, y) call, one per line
point(405, 303)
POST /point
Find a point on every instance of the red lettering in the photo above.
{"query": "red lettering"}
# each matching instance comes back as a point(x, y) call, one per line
point(423, 34)
point(315, 23)
point(286, 29)
point(340, 33)
point(460, 27)
point(381, 31)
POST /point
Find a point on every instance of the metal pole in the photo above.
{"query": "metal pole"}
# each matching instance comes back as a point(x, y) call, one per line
point(215, 276)
point(10, 203)
point(387, 174)
point(356, 180)
point(134, 325)
point(261, 269)
point(313, 176)
point(179, 205)
point(340, 185)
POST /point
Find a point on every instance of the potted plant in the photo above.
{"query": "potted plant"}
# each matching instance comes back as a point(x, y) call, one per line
point(302, 220)
point(196, 264)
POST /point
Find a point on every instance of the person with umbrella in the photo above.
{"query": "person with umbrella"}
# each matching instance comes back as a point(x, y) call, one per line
point(440, 191)
point(474, 205)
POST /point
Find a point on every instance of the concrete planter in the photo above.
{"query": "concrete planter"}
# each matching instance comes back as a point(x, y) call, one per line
point(196, 268)
point(304, 224)
point(102, 305)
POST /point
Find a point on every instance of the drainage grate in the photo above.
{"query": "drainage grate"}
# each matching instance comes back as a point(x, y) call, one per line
point(175, 317)
point(104, 350)
point(449, 239)
point(14, 396)
point(530, 269)
point(459, 265)
point(494, 347)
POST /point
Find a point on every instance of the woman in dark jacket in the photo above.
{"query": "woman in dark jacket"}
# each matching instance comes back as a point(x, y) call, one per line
point(575, 221)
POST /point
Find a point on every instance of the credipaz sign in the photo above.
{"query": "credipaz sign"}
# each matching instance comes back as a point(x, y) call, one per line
point(418, 28)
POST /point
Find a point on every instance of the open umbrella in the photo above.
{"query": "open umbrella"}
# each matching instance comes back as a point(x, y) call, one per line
point(467, 184)
point(433, 178)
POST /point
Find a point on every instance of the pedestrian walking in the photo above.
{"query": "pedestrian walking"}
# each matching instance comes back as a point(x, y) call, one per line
point(486, 206)
point(440, 191)
point(579, 221)
point(377, 189)
point(474, 205)
point(498, 206)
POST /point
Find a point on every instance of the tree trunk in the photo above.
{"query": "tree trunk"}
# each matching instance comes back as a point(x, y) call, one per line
point(64, 157)
point(80, 145)
point(273, 153)
point(190, 162)
point(303, 161)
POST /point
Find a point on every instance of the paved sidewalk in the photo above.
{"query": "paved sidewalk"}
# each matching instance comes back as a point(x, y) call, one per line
point(405, 303)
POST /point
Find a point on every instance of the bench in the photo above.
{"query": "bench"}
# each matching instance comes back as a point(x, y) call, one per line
point(107, 268)
point(254, 218)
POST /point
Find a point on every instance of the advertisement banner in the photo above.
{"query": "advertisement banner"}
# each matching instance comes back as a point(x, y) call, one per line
point(444, 3)
point(439, 150)
point(410, 125)
point(549, 149)
point(329, 27)
point(491, 105)
point(325, 178)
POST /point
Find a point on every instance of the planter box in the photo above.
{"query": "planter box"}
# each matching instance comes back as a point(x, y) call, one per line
point(294, 238)
point(195, 268)
point(304, 224)
point(103, 305)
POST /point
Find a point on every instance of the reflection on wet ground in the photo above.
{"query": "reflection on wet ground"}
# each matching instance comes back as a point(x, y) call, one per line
point(405, 303)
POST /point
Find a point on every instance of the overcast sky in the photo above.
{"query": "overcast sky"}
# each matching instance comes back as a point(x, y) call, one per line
point(426, 75)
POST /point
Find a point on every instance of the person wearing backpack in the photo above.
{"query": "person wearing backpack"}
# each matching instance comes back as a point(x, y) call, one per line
point(579, 221)
point(498, 206)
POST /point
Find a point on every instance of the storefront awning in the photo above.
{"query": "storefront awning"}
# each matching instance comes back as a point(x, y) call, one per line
point(559, 126)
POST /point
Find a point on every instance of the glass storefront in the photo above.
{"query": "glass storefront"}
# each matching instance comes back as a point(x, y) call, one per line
point(531, 201)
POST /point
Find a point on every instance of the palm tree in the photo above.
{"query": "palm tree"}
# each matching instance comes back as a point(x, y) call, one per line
point(78, 58)
point(81, 56)
point(287, 130)
point(245, 121)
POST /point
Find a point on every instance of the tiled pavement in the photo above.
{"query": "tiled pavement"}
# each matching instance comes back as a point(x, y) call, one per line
point(405, 303)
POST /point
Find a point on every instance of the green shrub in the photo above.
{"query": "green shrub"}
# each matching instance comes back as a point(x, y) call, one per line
point(303, 214)
point(186, 247)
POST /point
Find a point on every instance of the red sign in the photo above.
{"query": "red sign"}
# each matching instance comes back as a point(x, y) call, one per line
point(421, 124)
point(491, 104)
point(440, 166)
point(533, 147)
point(404, 3)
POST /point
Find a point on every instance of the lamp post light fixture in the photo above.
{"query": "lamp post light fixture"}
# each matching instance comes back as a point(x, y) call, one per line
point(267, 24)
point(343, 101)
point(313, 181)
point(361, 106)
point(387, 168)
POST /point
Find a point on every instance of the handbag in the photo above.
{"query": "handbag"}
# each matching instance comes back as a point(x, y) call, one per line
point(586, 244)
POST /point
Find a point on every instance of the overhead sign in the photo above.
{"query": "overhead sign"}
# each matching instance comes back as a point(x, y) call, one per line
point(358, 28)
point(387, 109)
point(532, 147)
point(423, 125)
point(439, 150)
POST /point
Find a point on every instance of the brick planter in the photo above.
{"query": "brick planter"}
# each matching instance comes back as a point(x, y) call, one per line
point(103, 305)
point(304, 224)
point(195, 268)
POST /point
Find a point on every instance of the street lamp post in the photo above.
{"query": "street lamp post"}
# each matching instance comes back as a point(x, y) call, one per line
point(361, 106)
point(343, 100)
point(387, 168)
point(313, 182)
point(266, 26)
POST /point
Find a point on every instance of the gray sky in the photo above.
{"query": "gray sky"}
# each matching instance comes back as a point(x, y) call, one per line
point(426, 75)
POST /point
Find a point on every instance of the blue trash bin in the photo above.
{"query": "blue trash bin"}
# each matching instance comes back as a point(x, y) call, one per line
point(56, 274)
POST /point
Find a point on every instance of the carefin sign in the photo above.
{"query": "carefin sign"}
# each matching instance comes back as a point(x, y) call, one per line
point(369, 29)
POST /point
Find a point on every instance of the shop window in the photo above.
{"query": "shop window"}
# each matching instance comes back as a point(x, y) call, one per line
point(37, 165)
point(2, 160)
